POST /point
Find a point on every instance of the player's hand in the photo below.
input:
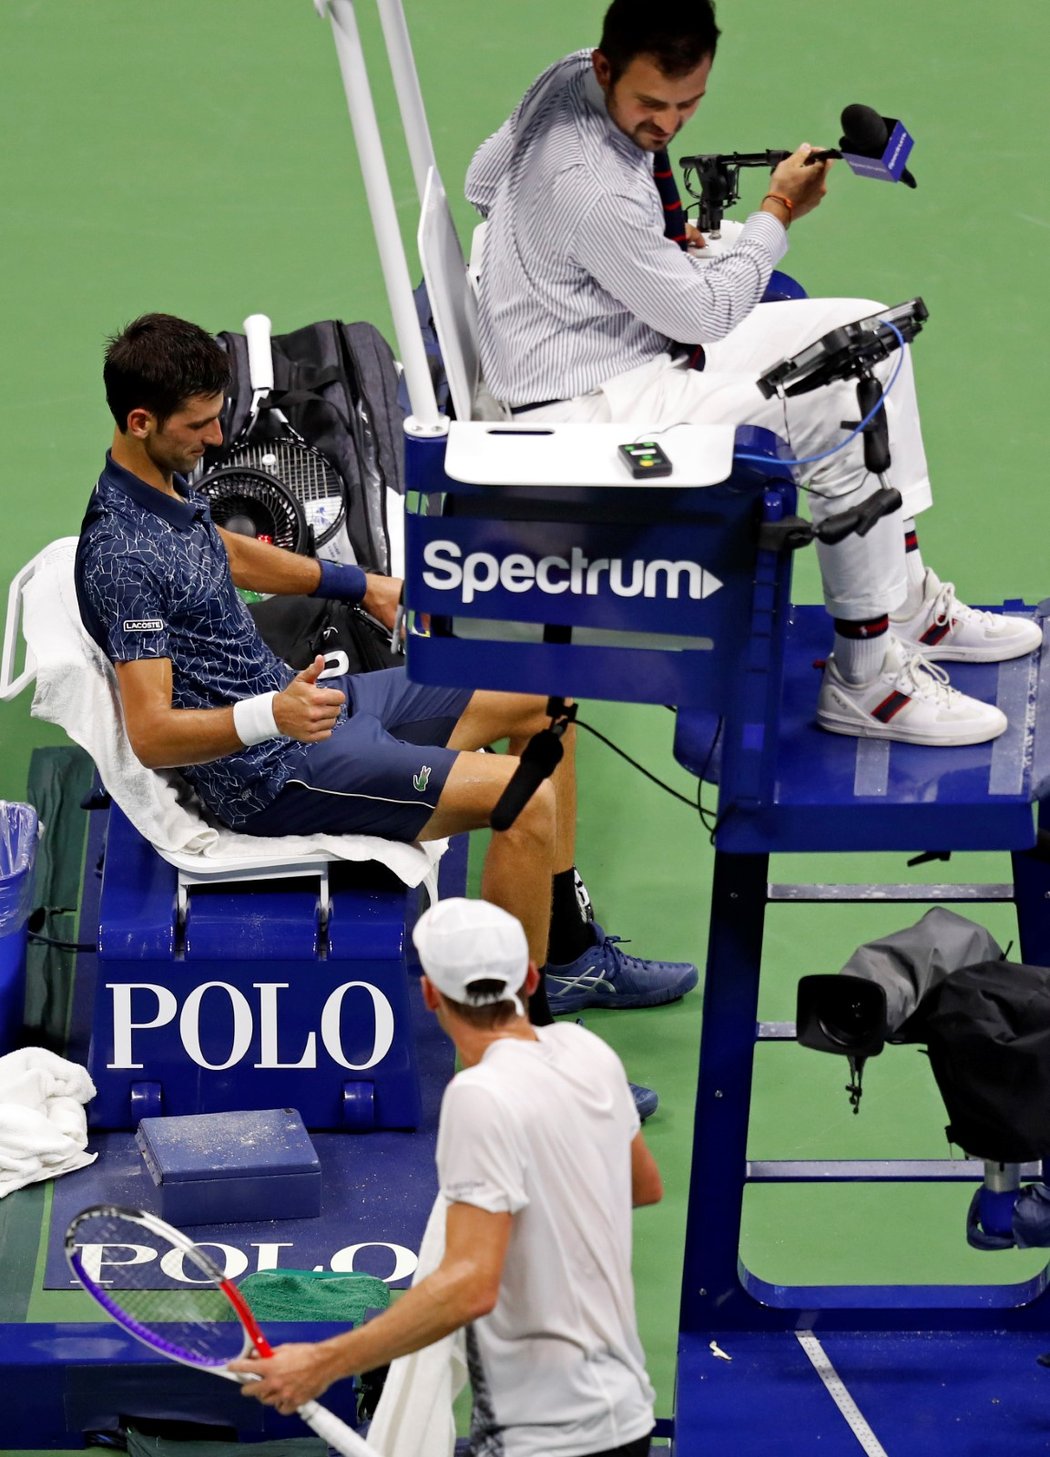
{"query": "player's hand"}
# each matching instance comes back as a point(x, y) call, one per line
point(292, 1376)
point(382, 598)
point(305, 711)
point(694, 238)
point(803, 186)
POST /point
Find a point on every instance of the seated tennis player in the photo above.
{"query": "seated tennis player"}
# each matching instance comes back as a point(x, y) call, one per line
point(273, 752)
point(540, 1159)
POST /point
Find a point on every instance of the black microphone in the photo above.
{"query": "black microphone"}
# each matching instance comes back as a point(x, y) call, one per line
point(539, 759)
point(865, 133)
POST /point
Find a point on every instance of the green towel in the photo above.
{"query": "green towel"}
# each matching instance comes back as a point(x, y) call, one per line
point(140, 1445)
point(305, 1295)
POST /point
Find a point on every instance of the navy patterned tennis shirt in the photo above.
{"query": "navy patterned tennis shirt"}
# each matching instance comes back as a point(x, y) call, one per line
point(153, 581)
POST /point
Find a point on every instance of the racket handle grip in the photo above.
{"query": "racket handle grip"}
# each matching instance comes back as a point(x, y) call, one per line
point(257, 331)
point(335, 1432)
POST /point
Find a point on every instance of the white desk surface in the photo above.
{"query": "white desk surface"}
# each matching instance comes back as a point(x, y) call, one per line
point(519, 453)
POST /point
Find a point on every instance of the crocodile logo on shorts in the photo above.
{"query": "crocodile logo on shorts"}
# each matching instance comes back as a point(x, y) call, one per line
point(421, 780)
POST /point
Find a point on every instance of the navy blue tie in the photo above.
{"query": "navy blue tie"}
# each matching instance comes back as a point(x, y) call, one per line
point(674, 228)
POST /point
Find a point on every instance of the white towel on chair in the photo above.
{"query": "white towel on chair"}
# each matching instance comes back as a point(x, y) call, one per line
point(77, 689)
point(43, 1126)
point(414, 1416)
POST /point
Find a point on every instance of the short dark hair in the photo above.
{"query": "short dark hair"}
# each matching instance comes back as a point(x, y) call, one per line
point(678, 34)
point(157, 363)
point(488, 1015)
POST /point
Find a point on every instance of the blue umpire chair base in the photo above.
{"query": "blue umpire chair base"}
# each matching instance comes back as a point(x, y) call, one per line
point(75, 1378)
point(251, 995)
point(759, 1358)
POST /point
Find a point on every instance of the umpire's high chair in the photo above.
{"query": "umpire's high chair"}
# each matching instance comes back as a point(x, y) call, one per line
point(545, 568)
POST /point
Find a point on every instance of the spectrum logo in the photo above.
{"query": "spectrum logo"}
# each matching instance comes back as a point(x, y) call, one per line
point(481, 571)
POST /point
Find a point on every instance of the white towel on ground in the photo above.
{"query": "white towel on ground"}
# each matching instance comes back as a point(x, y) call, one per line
point(76, 688)
point(414, 1415)
point(43, 1126)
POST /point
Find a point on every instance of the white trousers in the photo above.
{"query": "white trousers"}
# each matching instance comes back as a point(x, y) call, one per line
point(862, 576)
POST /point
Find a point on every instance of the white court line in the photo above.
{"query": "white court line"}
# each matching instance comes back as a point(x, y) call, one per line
point(836, 1389)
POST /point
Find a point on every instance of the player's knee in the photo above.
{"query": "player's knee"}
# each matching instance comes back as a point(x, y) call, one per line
point(534, 825)
point(529, 716)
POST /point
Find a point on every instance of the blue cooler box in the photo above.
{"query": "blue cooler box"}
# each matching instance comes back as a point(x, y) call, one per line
point(217, 1168)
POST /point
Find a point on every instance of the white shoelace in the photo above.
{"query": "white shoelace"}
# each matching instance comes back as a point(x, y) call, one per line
point(920, 678)
point(946, 606)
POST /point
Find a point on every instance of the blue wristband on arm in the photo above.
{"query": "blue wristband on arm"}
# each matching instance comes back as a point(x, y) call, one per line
point(344, 581)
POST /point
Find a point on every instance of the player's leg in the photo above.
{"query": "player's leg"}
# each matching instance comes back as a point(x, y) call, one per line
point(519, 864)
point(489, 717)
point(463, 720)
point(585, 967)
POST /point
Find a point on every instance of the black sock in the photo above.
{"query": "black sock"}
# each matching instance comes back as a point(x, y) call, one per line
point(571, 933)
point(539, 1008)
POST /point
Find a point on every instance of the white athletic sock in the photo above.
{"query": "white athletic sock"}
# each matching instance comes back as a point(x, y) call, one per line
point(916, 570)
point(860, 648)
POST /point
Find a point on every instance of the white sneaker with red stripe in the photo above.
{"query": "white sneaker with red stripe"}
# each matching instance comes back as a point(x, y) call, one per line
point(946, 629)
point(910, 701)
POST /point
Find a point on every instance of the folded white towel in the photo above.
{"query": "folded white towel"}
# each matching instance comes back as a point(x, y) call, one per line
point(76, 688)
point(414, 1415)
point(43, 1125)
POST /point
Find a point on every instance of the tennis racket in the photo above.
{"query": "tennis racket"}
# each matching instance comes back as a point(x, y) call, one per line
point(123, 1257)
point(305, 470)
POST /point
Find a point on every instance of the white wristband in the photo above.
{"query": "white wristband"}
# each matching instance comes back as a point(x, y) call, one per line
point(253, 719)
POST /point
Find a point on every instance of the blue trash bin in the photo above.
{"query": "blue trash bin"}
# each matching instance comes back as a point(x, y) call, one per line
point(19, 828)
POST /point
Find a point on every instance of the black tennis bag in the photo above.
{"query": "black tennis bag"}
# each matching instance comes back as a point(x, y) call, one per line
point(338, 386)
point(987, 1028)
point(298, 628)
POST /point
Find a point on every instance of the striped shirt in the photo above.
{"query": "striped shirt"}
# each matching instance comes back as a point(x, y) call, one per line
point(578, 282)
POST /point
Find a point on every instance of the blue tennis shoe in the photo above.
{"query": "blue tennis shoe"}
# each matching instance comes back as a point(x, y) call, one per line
point(646, 1101)
point(605, 976)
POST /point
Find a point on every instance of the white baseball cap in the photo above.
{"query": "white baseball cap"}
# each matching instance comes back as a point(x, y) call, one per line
point(463, 941)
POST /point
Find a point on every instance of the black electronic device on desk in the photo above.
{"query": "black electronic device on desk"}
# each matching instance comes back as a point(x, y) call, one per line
point(645, 459)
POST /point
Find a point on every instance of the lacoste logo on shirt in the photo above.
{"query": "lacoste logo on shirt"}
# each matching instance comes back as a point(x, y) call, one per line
point(422, 779)
point(143, 624)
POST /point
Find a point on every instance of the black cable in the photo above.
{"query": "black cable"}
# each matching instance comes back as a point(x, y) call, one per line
point(35, 936)
point(710, 822)
point(635, 764)
point(799, 485)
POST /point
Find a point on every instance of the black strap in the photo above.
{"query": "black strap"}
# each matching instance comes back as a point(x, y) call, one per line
point(538, 405)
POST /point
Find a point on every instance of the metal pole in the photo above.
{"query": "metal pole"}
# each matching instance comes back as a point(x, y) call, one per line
point(407, 89)
point(425, 418)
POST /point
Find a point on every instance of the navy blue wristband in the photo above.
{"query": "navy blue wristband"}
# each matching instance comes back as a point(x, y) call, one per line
point(342, 580)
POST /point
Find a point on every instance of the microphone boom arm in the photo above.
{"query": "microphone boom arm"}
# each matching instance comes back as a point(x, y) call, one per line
point(713, 180)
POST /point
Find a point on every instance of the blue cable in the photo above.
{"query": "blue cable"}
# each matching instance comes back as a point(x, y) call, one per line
point(809, 459)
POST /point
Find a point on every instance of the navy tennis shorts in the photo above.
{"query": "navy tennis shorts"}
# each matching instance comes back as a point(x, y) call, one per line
point(381, 772)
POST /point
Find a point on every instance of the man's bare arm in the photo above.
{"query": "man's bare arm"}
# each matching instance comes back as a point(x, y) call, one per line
point(647, 1187)
point(463, 1287)
point(261, 567)
point(164, 737)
